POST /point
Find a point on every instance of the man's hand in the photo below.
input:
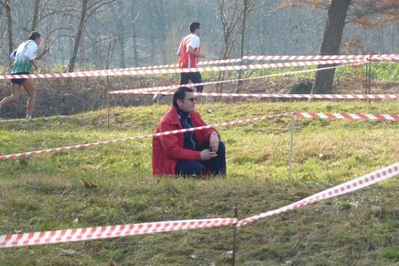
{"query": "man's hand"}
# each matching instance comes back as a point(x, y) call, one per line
point(191, 51)
point(207, 154)
point(214, 142)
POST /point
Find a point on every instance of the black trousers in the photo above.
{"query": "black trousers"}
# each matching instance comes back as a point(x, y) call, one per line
point(195, 77)
point(189, 168)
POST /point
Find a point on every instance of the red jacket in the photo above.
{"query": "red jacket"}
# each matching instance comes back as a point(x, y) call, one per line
point(167, 149)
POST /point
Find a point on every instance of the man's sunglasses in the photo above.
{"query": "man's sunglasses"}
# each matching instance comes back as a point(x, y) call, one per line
point(192, 99)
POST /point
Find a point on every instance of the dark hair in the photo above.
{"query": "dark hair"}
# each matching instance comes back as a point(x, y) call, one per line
point(33, 35)
point(180, 94)
point(194, 26)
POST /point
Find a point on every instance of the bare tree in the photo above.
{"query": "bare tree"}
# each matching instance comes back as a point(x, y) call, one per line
point(331, 43)
point(85, 13)
point(233, 15)
point(7, 6)
point(370, 14)
point(248, 7)
point(35, 16)
point(71, 64)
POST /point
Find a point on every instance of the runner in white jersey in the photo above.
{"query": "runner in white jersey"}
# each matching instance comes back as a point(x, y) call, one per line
point(24, 57)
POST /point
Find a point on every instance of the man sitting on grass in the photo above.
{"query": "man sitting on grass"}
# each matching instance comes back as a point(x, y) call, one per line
point(189, 154)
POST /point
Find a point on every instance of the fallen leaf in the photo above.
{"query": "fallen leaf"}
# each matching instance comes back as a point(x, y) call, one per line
point(78, 218)
point(324, 156)
point(305, 177)
point(209, 111)
point(67, 252)
point(23, 160)
point(88, 185)
point(136, 165)
point(193, 256)
point(268, 156)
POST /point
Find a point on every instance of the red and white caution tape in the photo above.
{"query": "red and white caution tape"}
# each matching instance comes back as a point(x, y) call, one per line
point(104, 232)
point(179, 70)
point(82, 146)
point(171, 87)
point(320, 57)
point(201, 63)
point(344, 188)
point(347, 116)
point(267, 95)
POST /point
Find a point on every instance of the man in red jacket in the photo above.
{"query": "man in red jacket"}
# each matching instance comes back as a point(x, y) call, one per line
point(193, 153)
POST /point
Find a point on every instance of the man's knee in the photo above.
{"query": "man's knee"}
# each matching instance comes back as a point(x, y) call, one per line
point(222, 148)
point(190, 168)
point(200, 170)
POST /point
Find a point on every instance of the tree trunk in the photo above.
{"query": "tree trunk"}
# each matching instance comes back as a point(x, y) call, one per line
point(248, 7)
point(331, 43)
point(9, 30)
point(35, 16)
point(134, 30)
point(72, 61)
point(121, 37)
point(162, 30)
point(240, 82)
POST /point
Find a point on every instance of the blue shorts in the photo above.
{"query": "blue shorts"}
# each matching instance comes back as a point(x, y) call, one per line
point(19, 81)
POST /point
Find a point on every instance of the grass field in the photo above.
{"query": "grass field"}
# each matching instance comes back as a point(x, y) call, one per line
point(48, 192)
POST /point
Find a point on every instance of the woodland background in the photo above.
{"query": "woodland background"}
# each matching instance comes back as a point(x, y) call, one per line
point(94, 34)
point(126, 33)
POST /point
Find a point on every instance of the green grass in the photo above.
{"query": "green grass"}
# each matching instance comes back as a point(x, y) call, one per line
point(383, 71)
point(46, 192)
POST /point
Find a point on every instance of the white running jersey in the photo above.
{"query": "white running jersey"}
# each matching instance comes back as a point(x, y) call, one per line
point(22, 55)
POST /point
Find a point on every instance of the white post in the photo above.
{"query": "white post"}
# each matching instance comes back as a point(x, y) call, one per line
point(291, 144)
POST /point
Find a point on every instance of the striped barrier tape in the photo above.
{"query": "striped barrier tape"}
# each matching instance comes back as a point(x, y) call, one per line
point(179, 70)
point(104, 232)
point(320, 57)
point(82, 146)
point(272, 95)
point(344, 188)
point(171, 87)
point(298, 115)
point(347, 116)
point(201, 63)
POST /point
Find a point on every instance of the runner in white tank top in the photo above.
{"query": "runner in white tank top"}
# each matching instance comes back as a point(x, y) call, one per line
point(24, 57)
